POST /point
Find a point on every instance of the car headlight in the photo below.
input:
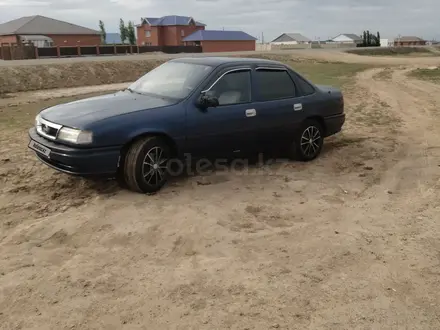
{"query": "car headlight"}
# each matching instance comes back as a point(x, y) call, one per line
point(38, 120)
point(76, 136)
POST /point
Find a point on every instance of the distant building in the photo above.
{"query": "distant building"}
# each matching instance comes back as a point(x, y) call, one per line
point(291, 39)
point(386, 43)
point(409, 41)
point(221, 41)
point(185, 31)
point(347, 38)
point(166, 30)
point(45, 31)
point(432, 42)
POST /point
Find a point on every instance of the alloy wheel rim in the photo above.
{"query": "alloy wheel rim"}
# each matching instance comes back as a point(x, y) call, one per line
point(154, 166)
point(310, 141)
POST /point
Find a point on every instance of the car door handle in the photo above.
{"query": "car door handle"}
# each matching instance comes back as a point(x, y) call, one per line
point(297, 107)
point(251, 113)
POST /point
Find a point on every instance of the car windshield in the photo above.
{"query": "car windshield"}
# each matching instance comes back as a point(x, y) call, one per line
point(172, 79)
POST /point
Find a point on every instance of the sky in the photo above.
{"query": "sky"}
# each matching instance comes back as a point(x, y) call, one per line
point(314, 18)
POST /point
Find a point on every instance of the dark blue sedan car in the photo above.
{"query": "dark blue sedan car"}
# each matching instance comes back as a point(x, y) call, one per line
point(202, 107)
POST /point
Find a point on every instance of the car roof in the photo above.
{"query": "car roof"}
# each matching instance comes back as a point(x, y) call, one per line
point(216, 61)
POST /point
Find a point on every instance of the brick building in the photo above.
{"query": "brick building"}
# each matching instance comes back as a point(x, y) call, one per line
point(45, 31)
point(221, 41)
point(409, 41)
point(166, 31)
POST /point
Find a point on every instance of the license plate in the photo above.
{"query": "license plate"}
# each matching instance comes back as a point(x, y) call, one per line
point(39, 148)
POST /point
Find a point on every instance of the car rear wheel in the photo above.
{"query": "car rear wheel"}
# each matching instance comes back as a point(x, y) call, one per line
point(146, 165)
point(309, 140)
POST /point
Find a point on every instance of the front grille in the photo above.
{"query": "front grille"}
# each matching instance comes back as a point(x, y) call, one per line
point(48, 129)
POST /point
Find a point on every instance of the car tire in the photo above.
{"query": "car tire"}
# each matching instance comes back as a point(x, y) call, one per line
point(146, 165)
point(308, 142)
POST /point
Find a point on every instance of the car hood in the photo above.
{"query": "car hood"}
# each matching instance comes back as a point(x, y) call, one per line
point(78, 114)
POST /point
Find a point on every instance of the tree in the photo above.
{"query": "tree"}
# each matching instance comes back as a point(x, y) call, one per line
point(103, 33)
point(368, 38)
point(122, 30)
point(364, 39)
point(131, 34)
point(378, 38)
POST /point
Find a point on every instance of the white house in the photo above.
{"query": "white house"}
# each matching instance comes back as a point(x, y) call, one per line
point(291, 39)
point(347, 38)
point(386, 43)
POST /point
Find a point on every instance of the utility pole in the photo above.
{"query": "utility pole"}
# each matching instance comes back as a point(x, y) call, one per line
point(262, 37)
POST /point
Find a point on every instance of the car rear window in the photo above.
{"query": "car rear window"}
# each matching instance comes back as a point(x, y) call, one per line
point(274, 84)
point(303, 85)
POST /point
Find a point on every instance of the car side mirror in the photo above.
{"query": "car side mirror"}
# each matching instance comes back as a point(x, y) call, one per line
point(207, 101)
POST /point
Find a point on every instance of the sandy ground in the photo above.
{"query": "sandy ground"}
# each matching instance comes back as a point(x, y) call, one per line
point(349, 241)
point(326, 54)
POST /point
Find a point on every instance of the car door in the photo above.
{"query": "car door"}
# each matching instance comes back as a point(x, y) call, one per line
point(225, 129)
point(279, 106)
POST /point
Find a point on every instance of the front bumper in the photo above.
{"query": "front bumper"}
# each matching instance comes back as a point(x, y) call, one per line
point(77, 161)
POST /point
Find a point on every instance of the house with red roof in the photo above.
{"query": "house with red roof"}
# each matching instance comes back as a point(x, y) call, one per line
point(45, 31)
point(185, 31)
point(166, 30)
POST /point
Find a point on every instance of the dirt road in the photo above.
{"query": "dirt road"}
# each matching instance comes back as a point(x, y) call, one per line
point(349, 241)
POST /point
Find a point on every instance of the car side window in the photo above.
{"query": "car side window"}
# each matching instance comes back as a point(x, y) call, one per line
point(274, 84)
point(233, 88)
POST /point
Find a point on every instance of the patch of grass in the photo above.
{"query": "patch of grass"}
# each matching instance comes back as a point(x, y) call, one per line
point(335, 74)
point(432, 75)
point(393, 51)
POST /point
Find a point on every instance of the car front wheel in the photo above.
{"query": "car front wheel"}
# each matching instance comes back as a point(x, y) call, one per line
point(309, 140)
point(146, 165)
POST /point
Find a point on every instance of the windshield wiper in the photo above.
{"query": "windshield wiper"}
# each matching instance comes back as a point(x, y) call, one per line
point(132, 91)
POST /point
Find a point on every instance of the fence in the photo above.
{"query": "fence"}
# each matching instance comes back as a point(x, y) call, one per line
point(290, 46)
point(20, 52)
point(314, 45)
point(333, 45)
point(262, 47)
